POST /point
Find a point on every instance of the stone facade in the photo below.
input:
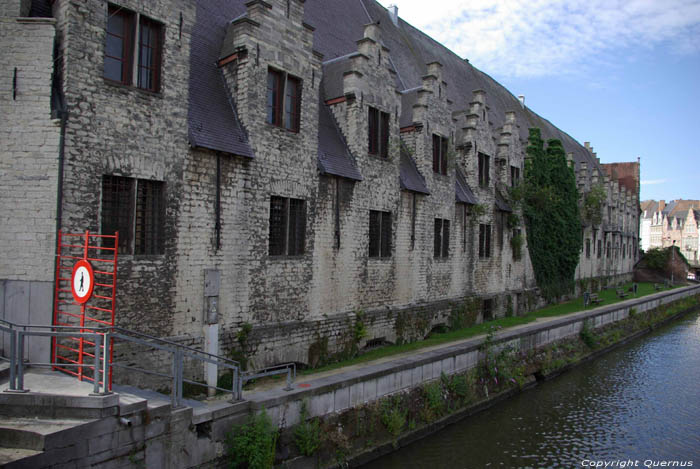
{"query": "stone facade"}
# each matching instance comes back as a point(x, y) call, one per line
point(217, 204)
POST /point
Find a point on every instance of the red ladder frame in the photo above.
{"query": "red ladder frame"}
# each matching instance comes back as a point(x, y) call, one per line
point(98, 311)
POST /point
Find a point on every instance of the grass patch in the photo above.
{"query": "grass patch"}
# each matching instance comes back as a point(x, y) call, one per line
point(608, 296)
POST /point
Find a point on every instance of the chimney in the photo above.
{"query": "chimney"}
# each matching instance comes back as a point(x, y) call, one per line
point(521, 97)
point(394, 14)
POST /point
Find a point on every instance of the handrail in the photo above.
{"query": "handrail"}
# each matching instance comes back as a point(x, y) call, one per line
point(101, 336)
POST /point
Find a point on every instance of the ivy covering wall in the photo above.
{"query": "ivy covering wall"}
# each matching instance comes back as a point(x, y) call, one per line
point(551, 210)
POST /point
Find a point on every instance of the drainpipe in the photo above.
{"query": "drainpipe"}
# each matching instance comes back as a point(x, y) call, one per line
point(217, 209)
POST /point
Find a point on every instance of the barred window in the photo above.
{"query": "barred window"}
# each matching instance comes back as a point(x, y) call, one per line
point(442, 238)
point(439, 154)
point(378, 132)
point(379, 234)
point(136, 209)
point(484, 241)
point(287, 226)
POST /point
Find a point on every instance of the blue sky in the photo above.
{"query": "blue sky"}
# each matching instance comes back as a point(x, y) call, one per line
point(621, 74)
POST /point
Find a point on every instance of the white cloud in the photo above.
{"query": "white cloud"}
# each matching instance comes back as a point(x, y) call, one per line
point(545, 37)
point(651, 182)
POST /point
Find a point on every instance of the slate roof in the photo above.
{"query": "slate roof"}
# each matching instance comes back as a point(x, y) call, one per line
point(212, 118)
point(501, 203)
point(409, 176)
point(463, 193)
point(339, 24)
point(333, 154)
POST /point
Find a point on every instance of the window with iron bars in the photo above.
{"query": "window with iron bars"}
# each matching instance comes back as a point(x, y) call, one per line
point(379, 234)
point(442, 238)
point(287, 226)
point(136, 209)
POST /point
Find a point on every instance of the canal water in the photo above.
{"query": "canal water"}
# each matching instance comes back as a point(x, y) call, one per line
point(637, 406)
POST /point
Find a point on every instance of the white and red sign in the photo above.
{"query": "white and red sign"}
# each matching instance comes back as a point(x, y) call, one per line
point(82, 281)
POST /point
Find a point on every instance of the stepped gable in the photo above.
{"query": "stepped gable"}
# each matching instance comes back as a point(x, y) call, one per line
point(339, 23)
point(212, 118)
point(334, 156)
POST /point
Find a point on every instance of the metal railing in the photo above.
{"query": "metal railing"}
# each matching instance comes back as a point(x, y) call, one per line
point(102, 337)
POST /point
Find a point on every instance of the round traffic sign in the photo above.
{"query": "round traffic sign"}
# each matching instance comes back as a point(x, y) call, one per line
point(82, 281)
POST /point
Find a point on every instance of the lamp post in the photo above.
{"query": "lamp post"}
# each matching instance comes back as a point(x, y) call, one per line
point(673, 259)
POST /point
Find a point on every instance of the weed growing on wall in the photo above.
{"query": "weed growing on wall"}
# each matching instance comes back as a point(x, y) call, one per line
point(550, 206)
point(307, 435)
point(253, 444)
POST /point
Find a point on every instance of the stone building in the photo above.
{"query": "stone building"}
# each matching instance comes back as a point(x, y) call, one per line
point(294, 165)
point(677, 222)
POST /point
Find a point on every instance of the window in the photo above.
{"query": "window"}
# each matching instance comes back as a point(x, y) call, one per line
point(135, 208)
point(283, 100)
point(287, 226)
point(442, 238)
point(607, 253)
point(439, 154)
point(514, 176)
point(133, 43)
point(484, 241)
point(517, 245)
point(600, 249)
point(483, 170)
point(624, 246)
point(378, 132)
point(588, 248)
point(379, 234)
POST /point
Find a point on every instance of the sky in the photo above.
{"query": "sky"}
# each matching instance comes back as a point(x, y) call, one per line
point(621, 74)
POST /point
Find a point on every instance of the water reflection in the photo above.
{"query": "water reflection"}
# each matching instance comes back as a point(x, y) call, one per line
point(640, 402)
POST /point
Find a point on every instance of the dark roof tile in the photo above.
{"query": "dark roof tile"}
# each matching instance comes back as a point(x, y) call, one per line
point(463, 193)
point(333, 154)
point(409, 176)
point(212, 118)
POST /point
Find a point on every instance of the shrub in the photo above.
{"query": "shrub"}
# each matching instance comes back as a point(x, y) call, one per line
point(252, 445)
point(307, 435)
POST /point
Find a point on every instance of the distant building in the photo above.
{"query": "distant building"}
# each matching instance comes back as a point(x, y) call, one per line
point(663, 225)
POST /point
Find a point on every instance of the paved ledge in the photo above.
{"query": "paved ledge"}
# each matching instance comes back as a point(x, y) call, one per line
point(328, 393)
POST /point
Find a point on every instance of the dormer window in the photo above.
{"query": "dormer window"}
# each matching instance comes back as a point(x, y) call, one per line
point(439, 154)
point(133, 49)
point(283, 100)
point(378, 133)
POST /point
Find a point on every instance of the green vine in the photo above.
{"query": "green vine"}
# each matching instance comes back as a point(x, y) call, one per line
point(593, 205)
point(516, 243)
point(550, 206)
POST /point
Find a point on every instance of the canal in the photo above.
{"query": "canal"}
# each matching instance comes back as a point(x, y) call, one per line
point(637, 406)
